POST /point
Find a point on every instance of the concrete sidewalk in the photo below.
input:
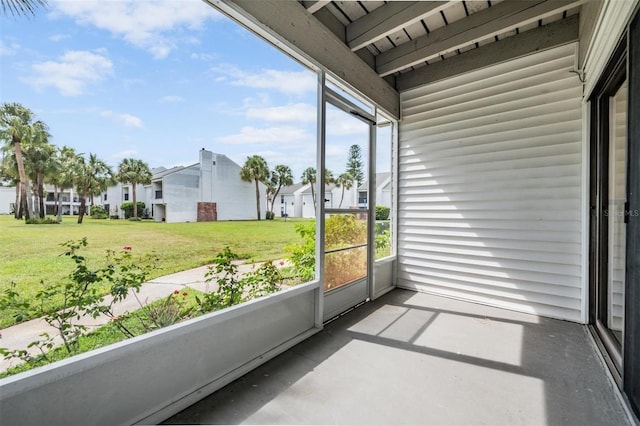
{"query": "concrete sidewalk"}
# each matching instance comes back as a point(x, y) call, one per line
point(21, 335)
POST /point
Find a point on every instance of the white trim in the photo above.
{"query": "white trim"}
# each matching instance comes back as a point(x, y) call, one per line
point(612, 22)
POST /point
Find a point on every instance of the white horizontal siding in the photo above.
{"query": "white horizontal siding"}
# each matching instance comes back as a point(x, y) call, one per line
point(490, 166)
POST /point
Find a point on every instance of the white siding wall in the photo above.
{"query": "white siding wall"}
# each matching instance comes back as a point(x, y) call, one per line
point(7, 197)
point(490, 186)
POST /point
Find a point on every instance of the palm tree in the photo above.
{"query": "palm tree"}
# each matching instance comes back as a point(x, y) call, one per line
point(255, 169)
point(281, 176)
point(39, 163)
point(309, 176)
point(38, 156)
point(21, 7)
point(16, 127)
point(91, 178)
point(134, 172)
point(9, 174)
point(345, 181)
point(62, 174)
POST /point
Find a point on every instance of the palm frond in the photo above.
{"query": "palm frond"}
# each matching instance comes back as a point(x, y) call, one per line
point(21, 7)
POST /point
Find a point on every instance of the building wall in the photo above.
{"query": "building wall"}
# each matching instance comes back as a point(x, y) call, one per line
point(490, 190)
point(7, 198)
point(235, 199)
point(181, 191)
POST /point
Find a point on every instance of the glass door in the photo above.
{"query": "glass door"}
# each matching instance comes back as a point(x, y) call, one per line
point(347, 208)
point(610, 209)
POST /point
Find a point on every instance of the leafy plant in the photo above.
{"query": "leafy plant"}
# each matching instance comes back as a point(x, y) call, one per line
point(98, 212)
point(81, 297)
point(168, 311)
point(232, 289)
point(303, 255)
point(127, 208)
point(382, 212)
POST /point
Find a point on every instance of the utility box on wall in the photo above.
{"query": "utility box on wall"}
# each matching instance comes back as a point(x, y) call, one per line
point(207, 212)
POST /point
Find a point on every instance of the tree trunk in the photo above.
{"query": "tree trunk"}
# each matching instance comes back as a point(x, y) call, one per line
point(17, 146)
point(313, 197)
point(41, 193)
point(341, 198)
point(257, 199)
point(59, 202)
point(135, 202)
point(83, 205)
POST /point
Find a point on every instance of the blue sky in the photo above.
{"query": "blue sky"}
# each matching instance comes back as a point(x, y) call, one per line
point(159, 80)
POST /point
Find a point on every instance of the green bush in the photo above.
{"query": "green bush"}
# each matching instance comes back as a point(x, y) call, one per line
point(382, 212)
point(135, 219)
point(98, 212)
point(127, 208)
point(269, 215)
point(42, 221)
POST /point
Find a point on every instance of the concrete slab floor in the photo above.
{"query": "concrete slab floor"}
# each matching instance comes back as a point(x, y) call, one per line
point(412, 358)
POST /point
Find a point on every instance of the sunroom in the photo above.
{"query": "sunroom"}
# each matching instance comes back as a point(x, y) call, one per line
point(512, 292)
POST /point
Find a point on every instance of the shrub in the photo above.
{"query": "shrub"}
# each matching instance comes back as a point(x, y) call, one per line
point(382, 212)
point(127, 208)
point(269, 215)
point(42, 221)
point(135, 219)
point(344, 230)
point(232, 289)
point(98, 212)
point(303, 255)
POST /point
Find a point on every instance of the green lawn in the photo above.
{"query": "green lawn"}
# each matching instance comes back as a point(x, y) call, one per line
point(31, 253)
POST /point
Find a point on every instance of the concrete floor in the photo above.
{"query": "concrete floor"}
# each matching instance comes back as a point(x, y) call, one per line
point(411, 358)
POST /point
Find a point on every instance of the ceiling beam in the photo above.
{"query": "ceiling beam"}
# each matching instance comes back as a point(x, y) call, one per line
point(315, 5)
point(542, 38)
point(388, 19)
point(503, 17)
point(289, 26)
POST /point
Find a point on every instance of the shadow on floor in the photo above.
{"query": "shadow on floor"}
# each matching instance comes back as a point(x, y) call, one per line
point(412, 358)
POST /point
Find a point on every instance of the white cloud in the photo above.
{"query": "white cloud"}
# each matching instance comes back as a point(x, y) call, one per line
point(127, 153)
point(289, 82)
point(8, 49)
point(203, 56)
point(127, 119)
point(340, 123)
point(147, 24)
point(71, 73)
point(282, 136)
point(171, 98)
point(59, 37)
point(300, 112)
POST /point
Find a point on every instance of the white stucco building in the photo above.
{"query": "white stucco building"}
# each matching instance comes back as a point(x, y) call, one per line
point(210, 189)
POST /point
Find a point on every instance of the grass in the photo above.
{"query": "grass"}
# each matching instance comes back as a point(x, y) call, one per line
point(102, 336)
point(30, 254)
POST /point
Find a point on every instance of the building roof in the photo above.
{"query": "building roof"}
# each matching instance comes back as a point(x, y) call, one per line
point(290, 189)
point(170, 171)
point(380, 179)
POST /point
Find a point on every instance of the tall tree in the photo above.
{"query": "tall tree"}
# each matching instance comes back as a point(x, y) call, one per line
point(91, 177)
point(62, 176)
point(21, 7)
point(39, 156)
point(255, 169)
point(309, 177)
point(16, 127)
point(39, 163)
point(355, 165)
point(134, 172)
point(344, 181)
point(280, 176)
